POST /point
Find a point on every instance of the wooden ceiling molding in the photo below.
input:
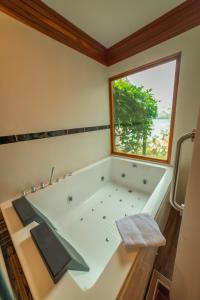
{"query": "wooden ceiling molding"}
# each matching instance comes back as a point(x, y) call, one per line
point(40, 16)
point(178, 20)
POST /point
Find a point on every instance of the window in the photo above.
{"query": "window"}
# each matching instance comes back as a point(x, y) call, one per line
point(143, 103)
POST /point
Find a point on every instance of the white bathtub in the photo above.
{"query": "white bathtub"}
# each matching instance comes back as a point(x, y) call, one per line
point(84, 207)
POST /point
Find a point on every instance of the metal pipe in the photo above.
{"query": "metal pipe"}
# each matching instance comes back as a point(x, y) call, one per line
point(51, 176)
point(182, 139)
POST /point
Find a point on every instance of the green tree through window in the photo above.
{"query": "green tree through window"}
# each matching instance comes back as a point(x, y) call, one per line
point(135, 110)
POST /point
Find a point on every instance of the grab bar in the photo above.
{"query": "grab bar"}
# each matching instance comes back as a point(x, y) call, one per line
point(177, 206)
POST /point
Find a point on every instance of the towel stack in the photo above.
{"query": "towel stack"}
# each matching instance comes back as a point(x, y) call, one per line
point(141, 231)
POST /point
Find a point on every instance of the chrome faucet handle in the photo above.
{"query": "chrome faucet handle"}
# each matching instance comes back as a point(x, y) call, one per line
point(67, 175)
point(33, 189)
point(42, 185)
point(24, 193)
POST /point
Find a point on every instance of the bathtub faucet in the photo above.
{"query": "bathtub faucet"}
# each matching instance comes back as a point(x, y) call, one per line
point(51, 176)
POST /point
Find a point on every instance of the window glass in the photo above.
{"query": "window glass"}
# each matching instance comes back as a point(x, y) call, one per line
point(143, 109)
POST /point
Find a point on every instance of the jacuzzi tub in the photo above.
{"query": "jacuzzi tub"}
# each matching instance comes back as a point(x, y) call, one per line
point(84, 207)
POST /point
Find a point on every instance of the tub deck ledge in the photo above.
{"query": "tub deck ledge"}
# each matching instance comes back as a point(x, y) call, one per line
point(41, 285)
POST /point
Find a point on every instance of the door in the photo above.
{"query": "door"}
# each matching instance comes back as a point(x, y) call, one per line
point(186, 276)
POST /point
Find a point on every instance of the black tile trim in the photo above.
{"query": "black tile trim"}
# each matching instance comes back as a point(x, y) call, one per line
point(48, 134)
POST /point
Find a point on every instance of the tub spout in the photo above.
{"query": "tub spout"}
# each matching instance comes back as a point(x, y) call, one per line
point(51, 176)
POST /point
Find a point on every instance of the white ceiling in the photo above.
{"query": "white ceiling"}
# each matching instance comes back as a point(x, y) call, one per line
point(109, 21)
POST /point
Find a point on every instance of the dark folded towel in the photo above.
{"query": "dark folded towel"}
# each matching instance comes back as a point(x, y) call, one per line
point(51, 249)
point(25, 211)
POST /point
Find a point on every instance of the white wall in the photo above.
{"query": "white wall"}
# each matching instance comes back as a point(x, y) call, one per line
point(188, 100)
point(45, 85)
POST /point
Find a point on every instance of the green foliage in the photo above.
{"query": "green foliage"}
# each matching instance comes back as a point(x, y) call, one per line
point(135, 109)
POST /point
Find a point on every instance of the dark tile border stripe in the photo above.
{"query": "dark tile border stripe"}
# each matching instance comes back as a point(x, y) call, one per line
point(48, 134)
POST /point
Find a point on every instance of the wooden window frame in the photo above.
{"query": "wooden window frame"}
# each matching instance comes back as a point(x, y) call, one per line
point(174, 57)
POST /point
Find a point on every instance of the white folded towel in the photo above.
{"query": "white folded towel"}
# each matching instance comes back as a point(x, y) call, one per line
point(140, 230)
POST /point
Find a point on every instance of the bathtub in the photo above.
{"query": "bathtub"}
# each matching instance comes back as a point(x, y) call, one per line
point(84, 207)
